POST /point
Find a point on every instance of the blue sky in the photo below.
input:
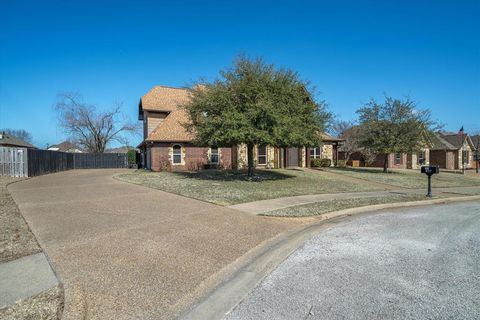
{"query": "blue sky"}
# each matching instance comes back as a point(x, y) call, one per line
point(351, 51)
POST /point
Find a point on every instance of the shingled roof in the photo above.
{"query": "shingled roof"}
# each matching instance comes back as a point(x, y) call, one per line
point(7, 140)
point(449, 141)
point(167, 99)
point(172, 129)
point(328, 138)
point(65, 146)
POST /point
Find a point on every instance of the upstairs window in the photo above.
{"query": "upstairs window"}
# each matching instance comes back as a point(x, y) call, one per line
point(214, 155)
point(398, 158)
point(177, 154)
point(315, 153)
point(262, 155)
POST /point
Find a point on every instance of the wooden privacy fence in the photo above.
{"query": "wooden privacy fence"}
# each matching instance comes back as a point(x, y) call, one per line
point(21, 162)
point(42, 162)
point(99, 160)
point(13, 162)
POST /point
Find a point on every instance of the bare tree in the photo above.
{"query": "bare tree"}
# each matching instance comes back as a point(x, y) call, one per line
point(351, 144)
point(20, 134)
point(90, 128)
point(339, 127)
point(346, 130)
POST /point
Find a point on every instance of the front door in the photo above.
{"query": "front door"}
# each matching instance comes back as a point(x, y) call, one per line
point(292, 157)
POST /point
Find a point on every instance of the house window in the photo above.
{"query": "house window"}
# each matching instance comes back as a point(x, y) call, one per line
point(214, 155)
point(315, 152)
point(398, 158)
point(262, 155)
point(421, 157)
point(177, 154)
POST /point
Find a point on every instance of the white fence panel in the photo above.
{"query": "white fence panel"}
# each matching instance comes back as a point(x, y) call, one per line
point(13, 162)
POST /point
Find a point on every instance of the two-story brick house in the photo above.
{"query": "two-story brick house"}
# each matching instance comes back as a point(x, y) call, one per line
point(167, 145)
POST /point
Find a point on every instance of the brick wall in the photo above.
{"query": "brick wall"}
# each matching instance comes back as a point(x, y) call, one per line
point(379, 160)
point(452, 160)
point(193, 158)
point(444, 159)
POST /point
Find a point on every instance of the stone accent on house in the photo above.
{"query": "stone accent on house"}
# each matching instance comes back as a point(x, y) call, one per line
point(170, 155)
point(469, 163)
point(270, 157)
point(327, 152)
point(303, 157)
point(242, 156)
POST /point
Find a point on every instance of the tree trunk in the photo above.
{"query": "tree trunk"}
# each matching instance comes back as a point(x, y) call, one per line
point(385, 163)
point(250, 159)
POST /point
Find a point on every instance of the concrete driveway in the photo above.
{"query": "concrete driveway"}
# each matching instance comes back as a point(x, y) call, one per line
point(128, 252)
point(420, 263)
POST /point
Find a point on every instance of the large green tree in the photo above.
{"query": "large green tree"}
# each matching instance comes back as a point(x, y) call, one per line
point(396, 125)
point(254, 103)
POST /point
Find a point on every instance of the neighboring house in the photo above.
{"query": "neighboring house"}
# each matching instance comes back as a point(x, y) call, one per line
point(120, 149)
point(167, 145)
point(452, 151)
point(397, 160)
point(65, 146)
point(7, 140)
point(446, 150)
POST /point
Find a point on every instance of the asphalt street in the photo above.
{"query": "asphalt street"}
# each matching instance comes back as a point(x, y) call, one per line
point(416, 263)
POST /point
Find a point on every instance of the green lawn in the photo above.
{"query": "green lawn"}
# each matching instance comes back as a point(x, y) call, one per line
point(409, 178)
point(321, 207)
point(233, 187)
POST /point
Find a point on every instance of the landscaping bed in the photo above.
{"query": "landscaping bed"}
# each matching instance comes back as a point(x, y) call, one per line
point(409, 178)
point(233, 186)
point(321, 207)
point(16, 239)
point(47, 305)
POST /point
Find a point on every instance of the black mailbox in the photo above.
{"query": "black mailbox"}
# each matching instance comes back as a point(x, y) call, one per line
point(429, 171)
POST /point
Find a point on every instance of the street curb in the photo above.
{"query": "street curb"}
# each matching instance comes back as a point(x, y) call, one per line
point(222, 299)
point(376, 207)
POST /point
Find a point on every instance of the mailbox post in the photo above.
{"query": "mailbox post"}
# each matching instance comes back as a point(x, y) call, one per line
point(430, 171)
